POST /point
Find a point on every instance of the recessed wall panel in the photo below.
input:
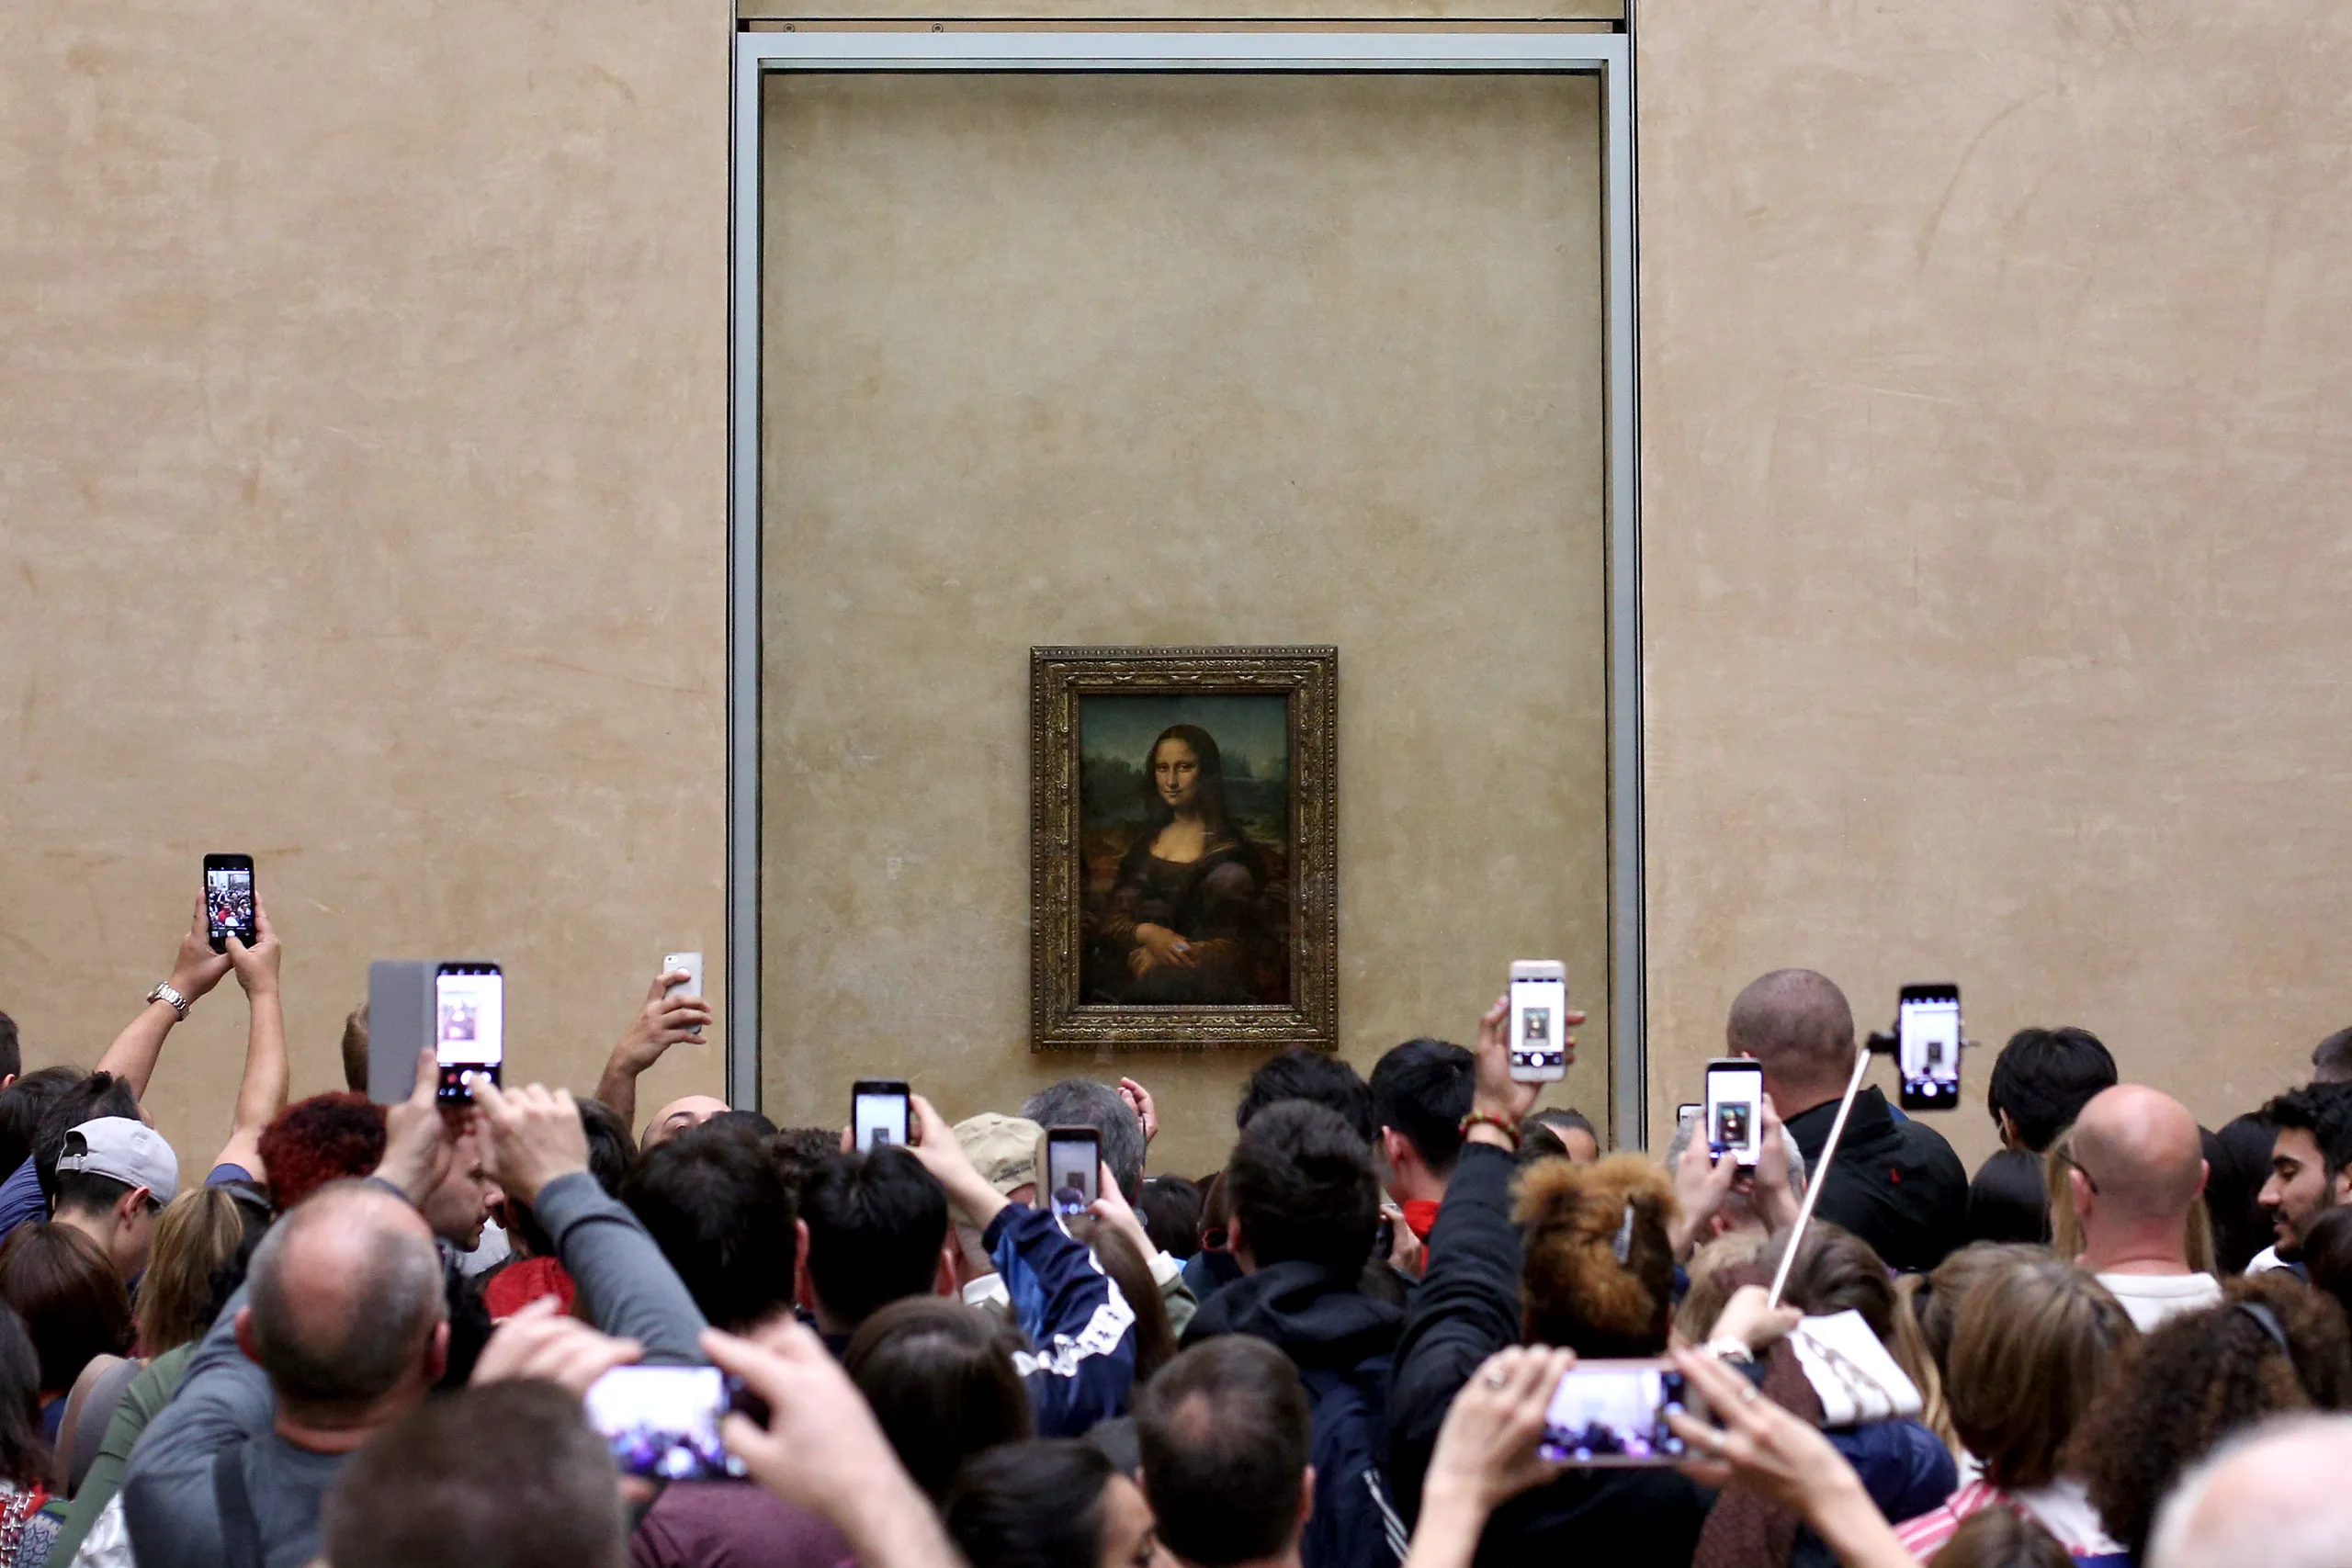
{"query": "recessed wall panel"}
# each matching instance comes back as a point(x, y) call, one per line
point(1161, 359)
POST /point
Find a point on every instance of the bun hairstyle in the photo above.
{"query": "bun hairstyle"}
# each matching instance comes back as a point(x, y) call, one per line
point(1599, 1271)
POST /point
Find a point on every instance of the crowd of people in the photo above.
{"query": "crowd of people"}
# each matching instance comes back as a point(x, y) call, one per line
point(366, 1337)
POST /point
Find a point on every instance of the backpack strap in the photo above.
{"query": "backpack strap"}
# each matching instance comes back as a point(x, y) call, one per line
point(240, 1532)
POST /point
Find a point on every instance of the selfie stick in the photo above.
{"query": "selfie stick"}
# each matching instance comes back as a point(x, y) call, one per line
point(1820, 1174)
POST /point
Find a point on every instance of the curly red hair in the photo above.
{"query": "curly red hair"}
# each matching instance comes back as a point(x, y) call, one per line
point(324, 1138)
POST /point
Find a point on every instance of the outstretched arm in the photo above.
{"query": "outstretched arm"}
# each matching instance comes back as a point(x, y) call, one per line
point(196, 970)
point(261, 1094)
point(662, 1022)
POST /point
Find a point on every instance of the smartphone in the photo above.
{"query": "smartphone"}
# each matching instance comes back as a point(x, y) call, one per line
point(1734, 1112)
point(228, 901)
point(1687, 1112)
point(1539, 1005)
point(469, 1028)
point(1926, 1030)
point(692, 984)
point(1611, 1415)
point(1073, 1168)
point(878, 1114)
point(662, 1422)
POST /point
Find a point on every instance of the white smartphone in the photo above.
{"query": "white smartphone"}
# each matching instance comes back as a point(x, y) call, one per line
point(469, 1028)
point(1611, 1415)
point(1926, 1027)
point(691, 986)
point(1539, 1006)
point(1734, 1123)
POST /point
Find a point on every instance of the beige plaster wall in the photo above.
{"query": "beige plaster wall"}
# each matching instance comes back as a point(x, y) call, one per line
point(1175, 360)
point(362, 467)
point(1997, 423)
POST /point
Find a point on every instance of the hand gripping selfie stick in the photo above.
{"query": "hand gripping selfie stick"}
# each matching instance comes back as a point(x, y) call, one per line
point(1818, 1177)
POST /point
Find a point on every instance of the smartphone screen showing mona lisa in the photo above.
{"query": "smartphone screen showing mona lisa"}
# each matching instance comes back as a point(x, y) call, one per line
point(469, 1028)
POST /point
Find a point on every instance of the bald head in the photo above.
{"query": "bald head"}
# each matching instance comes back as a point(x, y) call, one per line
point(2139, 1150)
point(2276, 1496)
point(1797, 1024)
point(347, 1296)
point(678, 1115)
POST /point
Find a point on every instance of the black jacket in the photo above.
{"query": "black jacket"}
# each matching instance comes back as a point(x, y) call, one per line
point(1339, 1339)
point(1465, 1309)
point(1897, 1185)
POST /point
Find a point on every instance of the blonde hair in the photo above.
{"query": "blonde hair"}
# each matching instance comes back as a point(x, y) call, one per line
point(2034, 1344)
point(200, 1233)
point(1711, 1286)
point(1834, 1271)
point(1936, 1317)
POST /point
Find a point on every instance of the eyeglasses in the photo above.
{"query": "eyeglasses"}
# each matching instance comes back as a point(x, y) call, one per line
point(2089, 1179)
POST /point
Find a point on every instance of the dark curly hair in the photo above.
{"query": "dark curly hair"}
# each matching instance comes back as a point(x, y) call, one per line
point(319, 1140)
point(2197, 1381)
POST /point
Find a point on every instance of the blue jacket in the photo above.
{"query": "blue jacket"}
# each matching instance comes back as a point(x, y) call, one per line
point(1903, 1466)
point(1083, 1366)
point(1339, 1339)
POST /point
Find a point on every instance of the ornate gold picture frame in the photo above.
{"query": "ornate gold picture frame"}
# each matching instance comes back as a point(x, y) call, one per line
point(1183, 851)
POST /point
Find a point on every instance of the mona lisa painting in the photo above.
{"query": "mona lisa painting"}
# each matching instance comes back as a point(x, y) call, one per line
point(1182, 863)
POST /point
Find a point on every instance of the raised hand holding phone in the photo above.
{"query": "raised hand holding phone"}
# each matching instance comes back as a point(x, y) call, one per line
point(1540, 1045)
point(935, 1147)
point(1494, 1091)
point(229, 901)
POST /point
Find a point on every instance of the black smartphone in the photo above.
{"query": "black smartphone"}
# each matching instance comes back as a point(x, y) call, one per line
point(1073, 1167)
point(1926, 1036)
point(469, 1028)
point(228, 901)
point(1611, 1415)
point(878, 1113)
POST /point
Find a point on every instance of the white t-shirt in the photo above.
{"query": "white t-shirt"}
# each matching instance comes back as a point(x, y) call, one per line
point(2152, 1297)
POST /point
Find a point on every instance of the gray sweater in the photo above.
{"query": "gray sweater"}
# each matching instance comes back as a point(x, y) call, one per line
point(225, 1402)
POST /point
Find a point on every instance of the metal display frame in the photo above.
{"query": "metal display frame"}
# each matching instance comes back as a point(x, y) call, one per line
point(1343, 50)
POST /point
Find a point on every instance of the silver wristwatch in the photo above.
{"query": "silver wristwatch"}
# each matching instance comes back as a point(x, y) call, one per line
point(165, 993)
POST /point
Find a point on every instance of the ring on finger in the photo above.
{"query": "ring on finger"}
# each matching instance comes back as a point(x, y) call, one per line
point(1747, 1394)
point(1495, 1378)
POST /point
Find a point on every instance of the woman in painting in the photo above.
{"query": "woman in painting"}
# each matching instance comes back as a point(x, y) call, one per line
point(1184, 919)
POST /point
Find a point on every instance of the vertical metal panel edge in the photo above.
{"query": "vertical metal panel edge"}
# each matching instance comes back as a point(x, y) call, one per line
point(743, 652)
point(1612, 54)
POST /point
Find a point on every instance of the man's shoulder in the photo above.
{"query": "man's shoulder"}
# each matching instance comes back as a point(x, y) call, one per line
point(1931, 1148)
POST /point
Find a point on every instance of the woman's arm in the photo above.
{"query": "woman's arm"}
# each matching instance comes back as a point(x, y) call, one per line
point(1485, 1453)
point(261, 1094)
point(1762, 1448)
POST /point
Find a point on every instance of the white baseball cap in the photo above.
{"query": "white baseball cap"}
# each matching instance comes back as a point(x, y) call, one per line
point(124, 1150)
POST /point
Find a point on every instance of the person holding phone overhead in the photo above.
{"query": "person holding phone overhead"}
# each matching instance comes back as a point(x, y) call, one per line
point(1896, 1184)
point(1595, 1276)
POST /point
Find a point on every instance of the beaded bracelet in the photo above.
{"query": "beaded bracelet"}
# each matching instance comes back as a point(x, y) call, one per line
point(1502, 1124)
